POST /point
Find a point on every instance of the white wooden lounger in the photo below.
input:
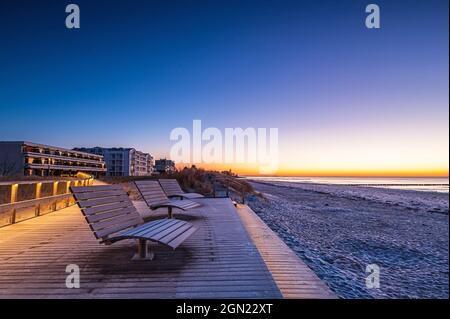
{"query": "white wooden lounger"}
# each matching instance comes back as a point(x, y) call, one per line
point(155, 197)
point(112, 217)
point(173, 189)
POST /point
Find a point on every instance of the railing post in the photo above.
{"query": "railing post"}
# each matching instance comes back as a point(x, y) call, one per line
point(55, 191)
point(67, 192)
point(14, 188)
point(38, 195)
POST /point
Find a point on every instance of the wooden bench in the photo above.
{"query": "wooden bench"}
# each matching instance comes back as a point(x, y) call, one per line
point(155, 197)
point(173, 189)
point(112, 217)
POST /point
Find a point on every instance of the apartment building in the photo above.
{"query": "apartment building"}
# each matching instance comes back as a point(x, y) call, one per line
point(164, 166)
point(123, 161)
point(32, 159)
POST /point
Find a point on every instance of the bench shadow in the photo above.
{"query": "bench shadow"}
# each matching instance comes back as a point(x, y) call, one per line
point(117, 260)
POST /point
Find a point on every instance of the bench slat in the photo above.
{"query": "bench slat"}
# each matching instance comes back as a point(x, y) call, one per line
point(116, 220)
point(105, 208)
point(154, 194)
point(181, 238)
point(185, 204)
point(158, 230)
point(172, 189)
point(168, 231)
point(98, 217)
point(88, 189)
point(173, 234)
point(184, 231)
point(100, 194)
point(170, 186)
point(188, 195)
point(115, 229)
point(148, 227)
point(103, 201)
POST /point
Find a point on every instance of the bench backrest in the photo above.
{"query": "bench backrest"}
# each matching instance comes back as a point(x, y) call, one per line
point(107, 209)
point(151, 192)
point(171, 187)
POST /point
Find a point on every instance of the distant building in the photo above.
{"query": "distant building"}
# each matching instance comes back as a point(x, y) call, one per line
point(164, 166)
point(123, 161)
point(31, 159)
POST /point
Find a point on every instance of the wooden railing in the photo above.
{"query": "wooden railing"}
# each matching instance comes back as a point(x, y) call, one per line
point(16, 206)
point(231, 186)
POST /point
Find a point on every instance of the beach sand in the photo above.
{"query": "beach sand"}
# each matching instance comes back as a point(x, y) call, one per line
point(339, 230)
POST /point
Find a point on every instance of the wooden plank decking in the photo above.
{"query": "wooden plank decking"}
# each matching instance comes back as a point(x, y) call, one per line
point(218, 261)
point(233, 255)
point(292, 276)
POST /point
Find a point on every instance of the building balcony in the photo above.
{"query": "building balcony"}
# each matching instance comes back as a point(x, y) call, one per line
point(63, 158)
point(65, 167)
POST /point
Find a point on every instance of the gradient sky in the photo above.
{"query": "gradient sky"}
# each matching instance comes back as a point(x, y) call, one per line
point(347, 100)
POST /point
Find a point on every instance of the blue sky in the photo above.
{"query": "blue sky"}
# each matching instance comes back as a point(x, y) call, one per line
point(137, 69)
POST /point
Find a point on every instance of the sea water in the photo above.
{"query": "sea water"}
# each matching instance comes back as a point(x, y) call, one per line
point(430, 184)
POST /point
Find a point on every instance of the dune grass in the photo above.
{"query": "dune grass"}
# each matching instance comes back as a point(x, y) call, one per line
point(193, 179)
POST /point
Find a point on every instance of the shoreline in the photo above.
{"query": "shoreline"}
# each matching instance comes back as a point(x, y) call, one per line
point(416, 200)
point(423, 184)
point(338, 230)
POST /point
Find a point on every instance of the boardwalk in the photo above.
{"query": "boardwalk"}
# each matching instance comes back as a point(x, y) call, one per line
point(219, 261)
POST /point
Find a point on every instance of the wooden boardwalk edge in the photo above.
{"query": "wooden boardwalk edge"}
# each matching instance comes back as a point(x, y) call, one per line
point(292, 276)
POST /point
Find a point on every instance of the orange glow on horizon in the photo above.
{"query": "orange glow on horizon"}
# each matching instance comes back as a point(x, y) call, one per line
point(253, 171)
point(375, 151)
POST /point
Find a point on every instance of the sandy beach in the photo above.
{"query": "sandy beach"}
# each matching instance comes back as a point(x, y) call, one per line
point(338, 230)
